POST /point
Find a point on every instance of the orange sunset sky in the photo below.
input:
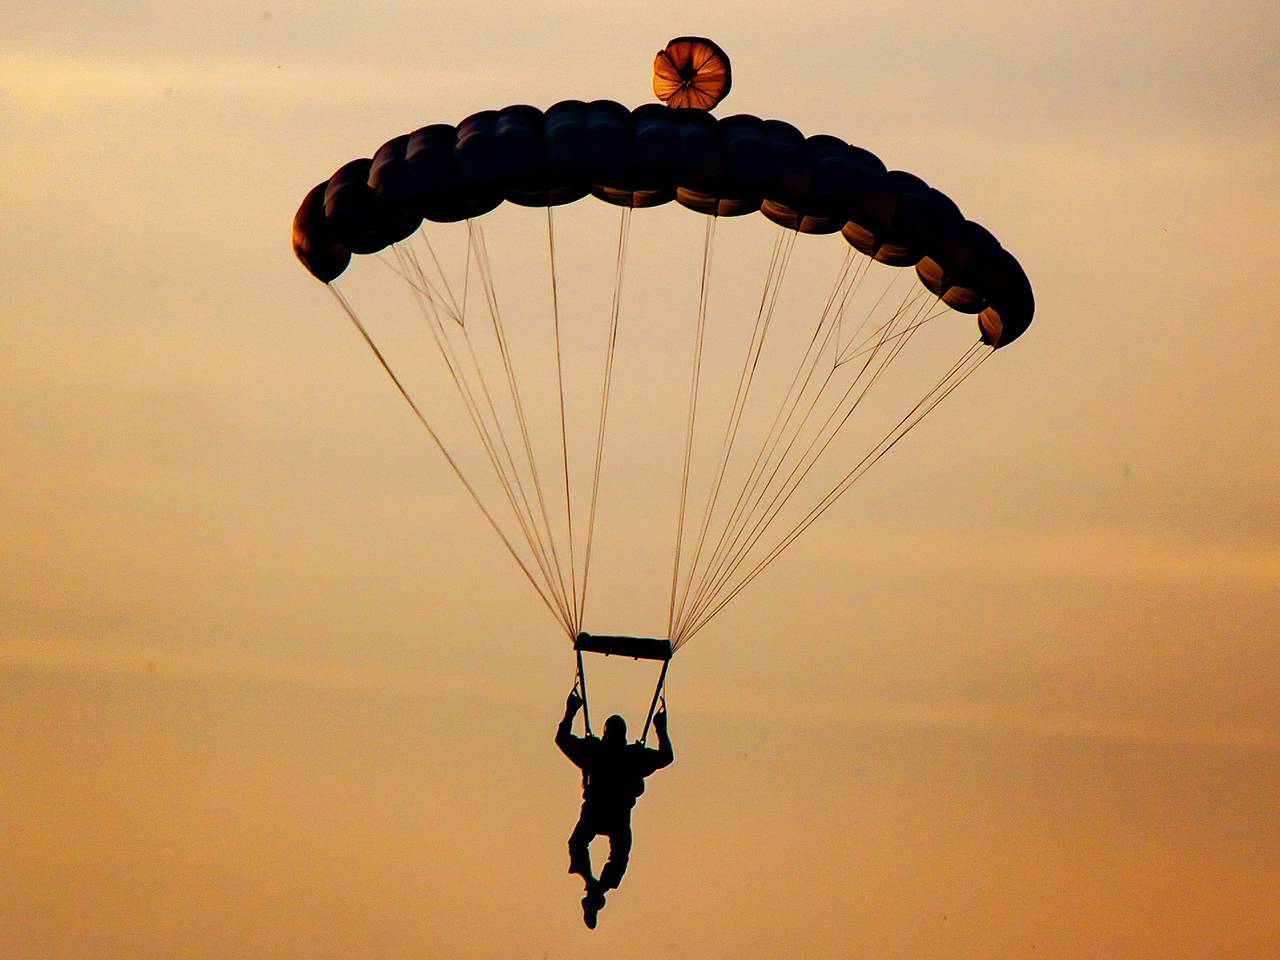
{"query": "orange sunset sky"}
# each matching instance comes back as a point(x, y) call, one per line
point(269, 688)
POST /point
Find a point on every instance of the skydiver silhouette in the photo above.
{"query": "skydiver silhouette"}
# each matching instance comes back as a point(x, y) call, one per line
point(613, 773)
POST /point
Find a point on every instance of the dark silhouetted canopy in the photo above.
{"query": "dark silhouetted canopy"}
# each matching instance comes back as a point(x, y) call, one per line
point(652, 155)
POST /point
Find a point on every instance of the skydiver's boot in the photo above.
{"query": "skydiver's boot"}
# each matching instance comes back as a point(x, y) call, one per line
point(592, 903)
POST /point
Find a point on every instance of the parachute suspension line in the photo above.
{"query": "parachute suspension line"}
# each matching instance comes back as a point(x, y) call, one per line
point(804, 419)
point(509, 481)
point(863, 264)
point(809, 366)
point(750, 492)
point(459, 310)
point(435, 295)
point(576, 621)
point(508, 473)
point(504, 470)
point(805, 370)
point(466, 279)
point(871, 312)
point(860, 274)
point(800, 468)
point(779, 260)
point(756, 517)
point(707, 243)
point(744, 540)
point(960, 371)
point(854, 353)
point(624, 234)
point(453, 464)
point(475, 238)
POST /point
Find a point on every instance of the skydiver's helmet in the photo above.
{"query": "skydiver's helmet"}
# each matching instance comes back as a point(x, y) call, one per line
point(615, 731)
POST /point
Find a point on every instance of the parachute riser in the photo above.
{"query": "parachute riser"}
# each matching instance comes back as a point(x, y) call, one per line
point(582, 692)
point(653, 704)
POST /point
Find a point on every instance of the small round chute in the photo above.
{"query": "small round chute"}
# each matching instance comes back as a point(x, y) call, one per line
point(691, 72)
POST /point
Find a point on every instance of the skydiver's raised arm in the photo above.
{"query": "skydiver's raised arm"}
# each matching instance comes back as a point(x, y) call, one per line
point(571, 746)
point(664, 756)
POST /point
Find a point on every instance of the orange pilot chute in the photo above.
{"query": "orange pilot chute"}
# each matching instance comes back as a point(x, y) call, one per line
point(691, 72)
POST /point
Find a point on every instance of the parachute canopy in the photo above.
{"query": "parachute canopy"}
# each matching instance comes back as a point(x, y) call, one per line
point(691, 72)
point(652, 155)
point(756, 454)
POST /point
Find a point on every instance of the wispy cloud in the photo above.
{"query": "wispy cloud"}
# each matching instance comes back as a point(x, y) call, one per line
point(1109, 552)
point(172, 661)
point(47, 83)
point(975, 714)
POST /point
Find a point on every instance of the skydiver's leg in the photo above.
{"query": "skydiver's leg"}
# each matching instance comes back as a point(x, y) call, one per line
point(588, 829)
point(579, 846)
point(619, 852)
